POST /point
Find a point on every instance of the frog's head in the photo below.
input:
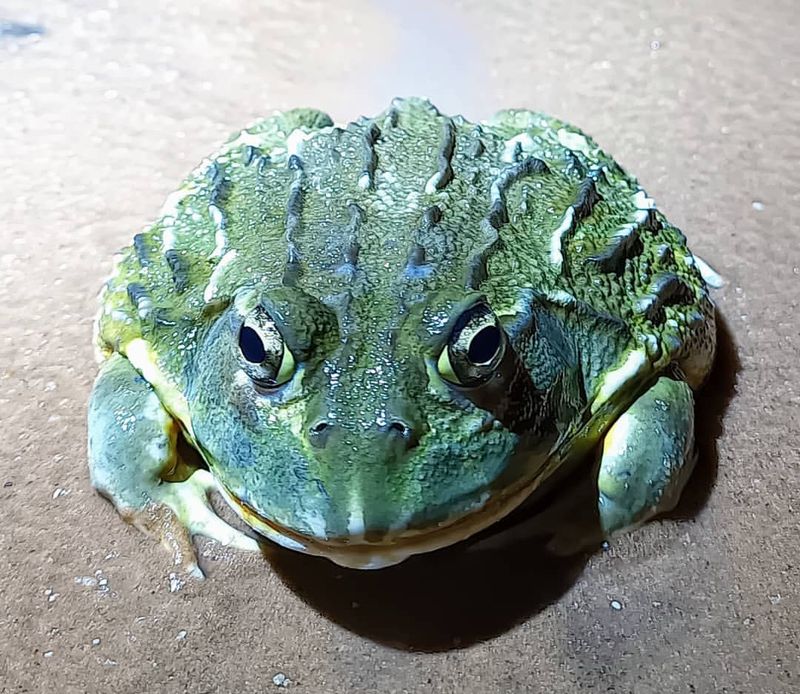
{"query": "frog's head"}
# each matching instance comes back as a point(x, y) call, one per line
point(364, 433)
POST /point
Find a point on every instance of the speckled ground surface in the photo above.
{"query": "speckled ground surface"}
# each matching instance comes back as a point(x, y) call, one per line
point(102, 114)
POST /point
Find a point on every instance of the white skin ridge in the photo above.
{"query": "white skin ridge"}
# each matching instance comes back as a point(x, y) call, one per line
point(211, 288)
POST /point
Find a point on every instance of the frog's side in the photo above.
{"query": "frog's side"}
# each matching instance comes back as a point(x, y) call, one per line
point(384, 337)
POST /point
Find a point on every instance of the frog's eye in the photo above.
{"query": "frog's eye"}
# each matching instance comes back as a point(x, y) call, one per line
point(475, 348)
point(266, 359)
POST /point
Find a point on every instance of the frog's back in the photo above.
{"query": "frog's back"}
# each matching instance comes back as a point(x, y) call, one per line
point(395, 208)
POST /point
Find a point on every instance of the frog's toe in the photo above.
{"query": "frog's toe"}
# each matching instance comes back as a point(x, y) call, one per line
point(160, 522)
point(177, 511)
point(190, 504)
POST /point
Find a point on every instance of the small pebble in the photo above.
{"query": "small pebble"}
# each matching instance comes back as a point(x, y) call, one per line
point(758, 205)
point(281, 680)
point(95, 642)
point(181, 635)
point(616, 605)
point(48, 654)
point(775, 599)
point(175, 583)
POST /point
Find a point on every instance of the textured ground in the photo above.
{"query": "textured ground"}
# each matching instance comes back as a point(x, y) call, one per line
point(101, 115)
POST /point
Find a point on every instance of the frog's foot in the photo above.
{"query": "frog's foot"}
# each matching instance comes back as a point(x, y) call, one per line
point(132, 443)
point(648, 455)
point(180, 510)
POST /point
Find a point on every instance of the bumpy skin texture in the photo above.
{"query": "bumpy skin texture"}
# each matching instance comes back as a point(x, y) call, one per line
point(367, 245)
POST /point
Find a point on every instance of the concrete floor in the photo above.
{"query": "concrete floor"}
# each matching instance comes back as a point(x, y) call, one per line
point(102, 114)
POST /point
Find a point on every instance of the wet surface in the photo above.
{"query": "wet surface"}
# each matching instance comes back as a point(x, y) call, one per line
point(106, 105)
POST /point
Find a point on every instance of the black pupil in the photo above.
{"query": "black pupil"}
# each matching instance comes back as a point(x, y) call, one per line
point(484, 345)
point(251, 345)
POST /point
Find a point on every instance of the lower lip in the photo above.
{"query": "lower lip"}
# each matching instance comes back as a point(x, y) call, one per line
point(391, 549)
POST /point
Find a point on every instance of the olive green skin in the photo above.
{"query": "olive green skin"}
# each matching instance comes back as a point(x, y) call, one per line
point(366, 244)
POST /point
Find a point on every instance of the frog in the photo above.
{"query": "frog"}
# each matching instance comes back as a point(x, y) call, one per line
point(383, 337)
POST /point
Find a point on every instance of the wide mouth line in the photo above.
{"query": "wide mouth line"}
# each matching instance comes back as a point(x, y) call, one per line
point(412, 541)
point(387, 539)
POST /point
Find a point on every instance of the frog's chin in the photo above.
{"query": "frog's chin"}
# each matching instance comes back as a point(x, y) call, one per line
point(393, 547)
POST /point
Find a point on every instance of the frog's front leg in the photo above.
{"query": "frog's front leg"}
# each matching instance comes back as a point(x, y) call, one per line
point(647, 457)
point(132, 444)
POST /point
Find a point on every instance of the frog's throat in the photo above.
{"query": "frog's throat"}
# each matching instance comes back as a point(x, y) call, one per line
point(392, 548)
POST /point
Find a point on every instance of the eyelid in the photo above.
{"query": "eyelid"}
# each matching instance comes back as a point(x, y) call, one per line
point(441, 317)
point(454, 363)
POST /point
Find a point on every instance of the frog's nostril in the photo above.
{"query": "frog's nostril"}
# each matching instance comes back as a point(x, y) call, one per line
point(402, 431)
point(319, 433)
point(400, 428)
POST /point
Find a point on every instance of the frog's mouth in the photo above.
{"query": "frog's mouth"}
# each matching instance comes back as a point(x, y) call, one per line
point(491, 506)
point(393, 547)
